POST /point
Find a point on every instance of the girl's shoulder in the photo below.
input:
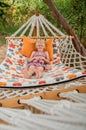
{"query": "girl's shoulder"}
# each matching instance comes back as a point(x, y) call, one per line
point(33, 52)
point(46, 52)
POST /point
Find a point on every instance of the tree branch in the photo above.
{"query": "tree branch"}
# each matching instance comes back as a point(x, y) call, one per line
point(79, 47)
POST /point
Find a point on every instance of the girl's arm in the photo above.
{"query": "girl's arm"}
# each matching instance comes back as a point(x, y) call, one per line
point(32, 56)
point(47, 60)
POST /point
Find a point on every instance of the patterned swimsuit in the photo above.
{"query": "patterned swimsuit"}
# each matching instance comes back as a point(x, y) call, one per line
point(38, 62)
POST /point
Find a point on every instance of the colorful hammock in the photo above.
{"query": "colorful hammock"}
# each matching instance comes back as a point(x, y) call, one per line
point(66, 66)
point(47, 114)
point(55, 73)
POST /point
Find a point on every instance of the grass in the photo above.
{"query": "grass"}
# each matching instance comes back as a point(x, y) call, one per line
point(2, 40)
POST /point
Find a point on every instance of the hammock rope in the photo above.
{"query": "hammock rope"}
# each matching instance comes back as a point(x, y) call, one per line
point(58, 115)
point(53, 27)
point(42, 26)
point(12, 93)
point(48, 27)
point(25, 119)
point(38, 21)
point(23, 26)
point(69, 56)
point(9, 127)
point(56, 107)
point(78, 97)
point(32, 26)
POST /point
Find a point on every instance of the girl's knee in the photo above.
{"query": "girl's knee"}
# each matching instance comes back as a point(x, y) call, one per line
point(31, 70)
point(32, 67)
point(24, 70)
point(40, 69)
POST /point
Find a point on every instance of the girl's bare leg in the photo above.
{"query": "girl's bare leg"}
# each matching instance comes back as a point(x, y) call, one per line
point(38, 71)
point(28, 73)
point(31, 71)
point(25, 72)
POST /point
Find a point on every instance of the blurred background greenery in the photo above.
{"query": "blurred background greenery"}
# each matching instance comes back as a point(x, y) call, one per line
point(13, 13)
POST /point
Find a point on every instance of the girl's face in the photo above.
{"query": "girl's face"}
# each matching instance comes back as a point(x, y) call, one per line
point(40, 47)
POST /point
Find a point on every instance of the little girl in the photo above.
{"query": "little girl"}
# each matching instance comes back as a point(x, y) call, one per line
point(37, 61)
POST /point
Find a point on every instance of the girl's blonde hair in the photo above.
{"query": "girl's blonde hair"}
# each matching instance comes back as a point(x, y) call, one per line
point(40, 42)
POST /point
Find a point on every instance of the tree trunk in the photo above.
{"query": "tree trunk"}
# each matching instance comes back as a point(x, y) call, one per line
point(79, 47)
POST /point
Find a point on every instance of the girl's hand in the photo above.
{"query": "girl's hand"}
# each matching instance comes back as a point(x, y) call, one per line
point(36, 58)
point(42, 58)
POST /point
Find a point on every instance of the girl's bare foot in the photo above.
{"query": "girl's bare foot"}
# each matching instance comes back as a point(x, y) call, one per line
point(38, 74)
point(25, 73)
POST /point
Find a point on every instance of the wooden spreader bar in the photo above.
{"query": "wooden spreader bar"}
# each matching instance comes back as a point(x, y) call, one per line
point(41, 37)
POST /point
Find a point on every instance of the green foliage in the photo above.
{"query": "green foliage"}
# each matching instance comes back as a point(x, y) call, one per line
point(13, 13)
point(75, 13)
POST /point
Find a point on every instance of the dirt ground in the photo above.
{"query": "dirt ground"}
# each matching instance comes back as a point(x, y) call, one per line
point(3, 50)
